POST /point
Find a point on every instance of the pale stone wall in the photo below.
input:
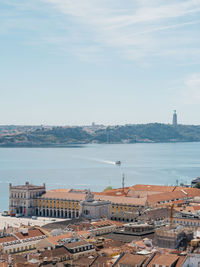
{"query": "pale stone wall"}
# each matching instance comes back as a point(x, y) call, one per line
point(96, 209)
point(21, 198)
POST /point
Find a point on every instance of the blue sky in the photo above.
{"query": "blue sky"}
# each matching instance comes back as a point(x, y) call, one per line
point(72, 62)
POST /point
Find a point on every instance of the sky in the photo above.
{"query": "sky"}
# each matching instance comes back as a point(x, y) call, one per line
point(74, 62)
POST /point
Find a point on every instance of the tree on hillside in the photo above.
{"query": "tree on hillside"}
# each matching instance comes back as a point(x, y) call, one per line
point(108, 188)
point(197, 185)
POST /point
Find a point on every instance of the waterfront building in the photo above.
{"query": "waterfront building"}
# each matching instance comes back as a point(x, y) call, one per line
point(21, 198)
point(59, 204)
point(174, 121)
point(31, 200)
point(163, 199)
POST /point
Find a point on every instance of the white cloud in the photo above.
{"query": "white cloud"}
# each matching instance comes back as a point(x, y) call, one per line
point(133, 29)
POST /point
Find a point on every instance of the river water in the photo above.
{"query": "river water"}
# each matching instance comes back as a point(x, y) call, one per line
point(92, 166)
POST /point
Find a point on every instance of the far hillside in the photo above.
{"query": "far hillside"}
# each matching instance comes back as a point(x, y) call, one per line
point(64, 136)
point(152, 132)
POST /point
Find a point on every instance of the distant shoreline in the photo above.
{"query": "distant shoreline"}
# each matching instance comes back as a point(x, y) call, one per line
point(77, 136)
point(79, 145)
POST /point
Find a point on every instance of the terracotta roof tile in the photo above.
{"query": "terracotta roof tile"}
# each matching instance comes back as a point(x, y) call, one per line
point(166, 260)
point(64, 195)
point(78, 197)
point(55, 252)
point(124, 200)
point(7, 239)
point(54, 239)
point(84, 261)
point(154, 188)
point(173, 196)
point(31, 233)
point(132, 260)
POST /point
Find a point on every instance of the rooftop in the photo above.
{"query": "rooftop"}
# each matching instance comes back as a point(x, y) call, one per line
point(132, 260)
point(166, 260)
point(54, 194)
point(76, 244)
point(30, 233)
point(27, 186)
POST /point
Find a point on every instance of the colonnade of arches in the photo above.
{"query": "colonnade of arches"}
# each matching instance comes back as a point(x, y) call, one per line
point(56, 213)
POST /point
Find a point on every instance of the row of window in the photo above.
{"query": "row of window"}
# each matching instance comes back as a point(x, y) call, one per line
point(24, 195)
point(20, 249)
point(187, 222)
point(54, 203)
point(16, 203)
point(171, 200)
point(121, 208)
point(80, 249)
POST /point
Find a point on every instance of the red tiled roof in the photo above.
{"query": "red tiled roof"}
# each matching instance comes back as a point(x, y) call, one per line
point(63, 195)
point(54, 239)
point(79, 197)
point(155, 188)
point(7, 239)
point(166, 260)
point(31, 233)
point(132, 260)
point(173, 196)
point(124, 200)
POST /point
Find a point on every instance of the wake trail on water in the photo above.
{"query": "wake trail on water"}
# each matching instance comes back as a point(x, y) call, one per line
point(107, 162)
point(98, 160)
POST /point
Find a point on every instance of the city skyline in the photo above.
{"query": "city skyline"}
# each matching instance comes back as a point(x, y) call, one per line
point(74, 62)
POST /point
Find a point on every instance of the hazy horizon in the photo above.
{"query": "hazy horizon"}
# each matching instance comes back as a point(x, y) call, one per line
point(96, 124)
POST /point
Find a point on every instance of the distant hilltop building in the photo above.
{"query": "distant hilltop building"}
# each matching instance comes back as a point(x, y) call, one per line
point(174, 121)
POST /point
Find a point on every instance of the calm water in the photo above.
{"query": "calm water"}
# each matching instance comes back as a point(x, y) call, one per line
point(91, 166)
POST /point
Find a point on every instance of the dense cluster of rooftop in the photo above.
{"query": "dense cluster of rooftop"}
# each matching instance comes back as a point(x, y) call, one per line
point(146, 225)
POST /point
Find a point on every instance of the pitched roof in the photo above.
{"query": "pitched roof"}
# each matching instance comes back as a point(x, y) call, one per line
point(132, 260)
point(84, 261)
point(124, 200)
point(79, 197)
point(165, 197)
point(55, 252)
point(63, 195)
point(170, 196)
point(31, 233)
point(104, 223)
point(7, 239)
point(166, 260)
point(55, 239)
point(155, 188)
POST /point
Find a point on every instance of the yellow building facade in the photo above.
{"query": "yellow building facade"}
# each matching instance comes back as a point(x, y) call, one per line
point(59, 208)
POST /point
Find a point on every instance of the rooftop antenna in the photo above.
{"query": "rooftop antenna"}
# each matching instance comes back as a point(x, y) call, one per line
point(123, 178)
